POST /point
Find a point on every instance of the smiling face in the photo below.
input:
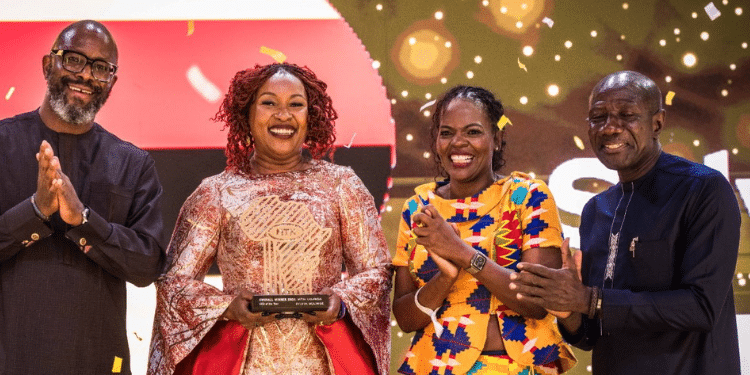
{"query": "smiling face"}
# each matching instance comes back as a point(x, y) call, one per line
point(278, 122)
point(465, 143)
point(623, 131)
point(77, 97)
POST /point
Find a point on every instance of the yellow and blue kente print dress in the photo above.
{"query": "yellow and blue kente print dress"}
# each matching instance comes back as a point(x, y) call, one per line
point(512, 215)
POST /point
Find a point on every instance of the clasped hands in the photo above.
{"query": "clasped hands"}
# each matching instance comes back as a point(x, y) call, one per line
point(239, 310)
point(442, 240)
point(54, 191)
point(559, 291)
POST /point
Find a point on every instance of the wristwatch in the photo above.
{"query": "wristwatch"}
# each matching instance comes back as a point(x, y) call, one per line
point(477, 263)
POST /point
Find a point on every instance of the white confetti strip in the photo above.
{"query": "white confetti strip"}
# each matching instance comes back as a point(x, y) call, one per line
point(431, 102)
point(202, 85)
point(351, 141)
point(10, 93)
point(548, 21)
point(712, 12)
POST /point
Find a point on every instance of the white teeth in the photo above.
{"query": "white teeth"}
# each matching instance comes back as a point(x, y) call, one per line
point(613, 146)
point(80, 90)
point(282, 131)
point(461, 159)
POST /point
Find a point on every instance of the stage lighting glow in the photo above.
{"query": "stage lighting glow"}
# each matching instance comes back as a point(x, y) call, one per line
point(553, 90)
point(689, 59)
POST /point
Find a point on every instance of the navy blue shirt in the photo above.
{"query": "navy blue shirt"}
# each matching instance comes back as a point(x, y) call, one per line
point(62, 288)
point(668, 307)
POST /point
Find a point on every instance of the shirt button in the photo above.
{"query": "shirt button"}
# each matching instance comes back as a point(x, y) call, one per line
point(82, 241)
point(35, 236)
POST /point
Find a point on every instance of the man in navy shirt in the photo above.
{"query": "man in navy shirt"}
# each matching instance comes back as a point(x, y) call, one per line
point(79, 216)
point(659, 250)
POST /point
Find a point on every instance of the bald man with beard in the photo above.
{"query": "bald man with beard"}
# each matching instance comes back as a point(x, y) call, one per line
point(659, 249)
point(79, 216)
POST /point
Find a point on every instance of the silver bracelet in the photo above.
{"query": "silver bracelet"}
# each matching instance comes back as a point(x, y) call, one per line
point(431, 313)
point(36, 209)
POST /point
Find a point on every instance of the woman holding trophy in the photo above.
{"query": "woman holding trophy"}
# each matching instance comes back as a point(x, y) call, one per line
point(279, 223)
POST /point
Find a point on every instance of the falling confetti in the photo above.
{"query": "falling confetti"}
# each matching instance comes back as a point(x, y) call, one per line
point(502, 122)
point(670, 96)
point(548, 21)
point(10, 93)
point(202, 85)
point(712, 12)
point(579, 142)
point(351, 141)
point(191, 27)
point(277, 55)
point(520, 65)
point(431, 102)
point(136, 336)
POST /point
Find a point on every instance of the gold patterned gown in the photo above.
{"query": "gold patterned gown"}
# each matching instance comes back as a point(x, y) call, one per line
point(285, 233)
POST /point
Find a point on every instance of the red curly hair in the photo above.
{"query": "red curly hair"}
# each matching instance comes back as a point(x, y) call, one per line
point(235, 113)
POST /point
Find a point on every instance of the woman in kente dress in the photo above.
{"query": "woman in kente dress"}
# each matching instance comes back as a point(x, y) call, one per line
point(459, 241)
point(276, 222)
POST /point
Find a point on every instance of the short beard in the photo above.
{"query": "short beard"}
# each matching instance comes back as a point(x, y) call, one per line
point(71, 112)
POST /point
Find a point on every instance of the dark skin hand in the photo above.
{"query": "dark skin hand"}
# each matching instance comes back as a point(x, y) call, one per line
point(559, 291)
point(54, 191)
point(435, 234)
point(239, 310)
point(445, 246)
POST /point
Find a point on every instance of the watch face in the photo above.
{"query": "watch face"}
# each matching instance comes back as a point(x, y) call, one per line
point(479, 261)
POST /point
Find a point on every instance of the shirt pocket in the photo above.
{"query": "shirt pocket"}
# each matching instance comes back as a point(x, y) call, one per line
point(652, 262)
point(111, 201)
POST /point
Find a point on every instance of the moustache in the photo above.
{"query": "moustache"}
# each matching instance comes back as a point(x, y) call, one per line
point(89, 84)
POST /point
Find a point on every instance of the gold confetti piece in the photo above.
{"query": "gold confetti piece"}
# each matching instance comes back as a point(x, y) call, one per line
point(520, 65)
point(277, 55)
point(548, 21)
point(502, 122)
point(579, 142)
point(670, 96)
point(117, 365)
point(712, 12)
point(136, 336)
point(191, 27)
point(10, 92)
point(431, 102)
